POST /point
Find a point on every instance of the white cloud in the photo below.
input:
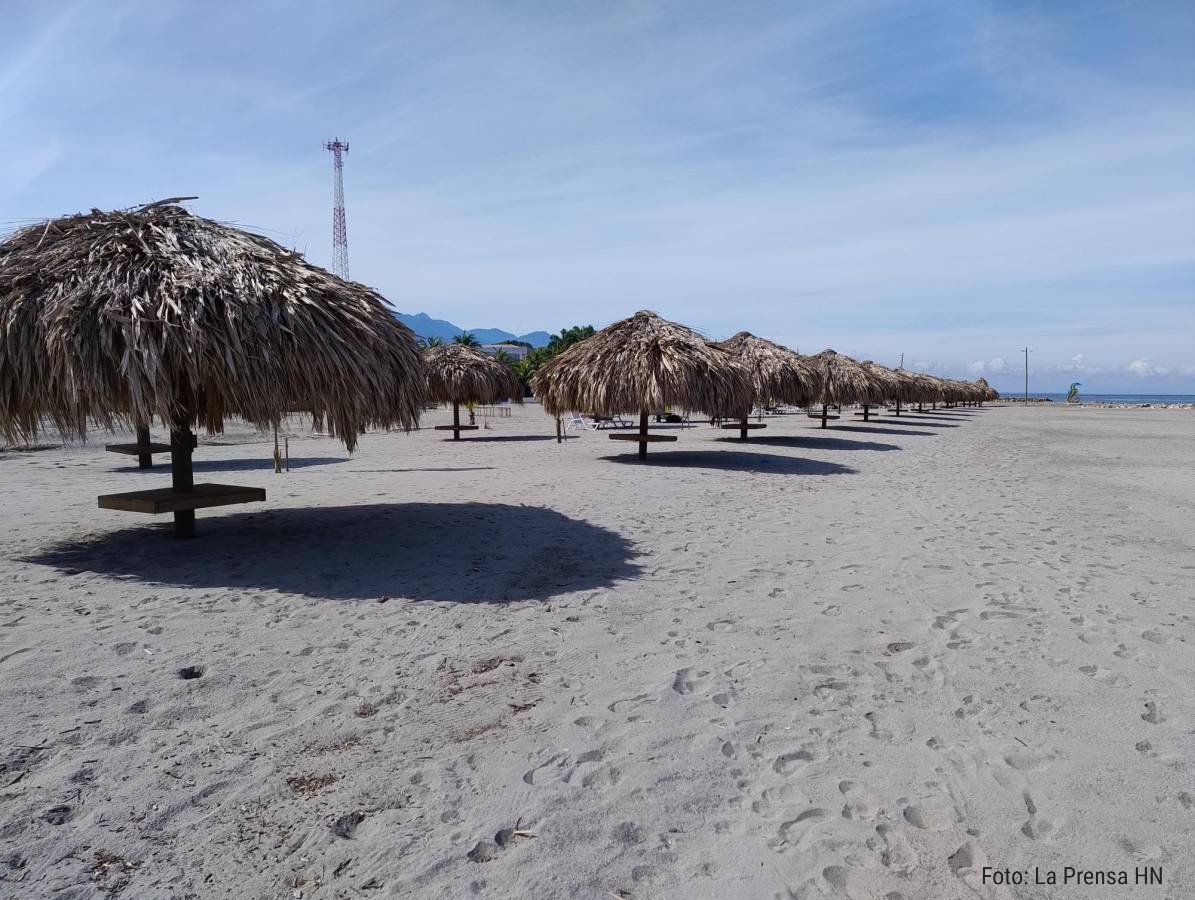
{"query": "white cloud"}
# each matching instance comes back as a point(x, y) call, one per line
point(995, 366)
point(1143, 368)
point(1187, 370)
point(1076, 365)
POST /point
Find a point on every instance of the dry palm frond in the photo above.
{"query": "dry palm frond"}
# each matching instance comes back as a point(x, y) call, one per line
point(779, 375)
point(846, 381)
point(121, 317)
point(457, 373)
point(890, 384)
point(918, 387)
point(989, 392)
point(644, 363)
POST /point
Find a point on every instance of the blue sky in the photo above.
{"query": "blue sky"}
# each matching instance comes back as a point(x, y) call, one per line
point(950, 181)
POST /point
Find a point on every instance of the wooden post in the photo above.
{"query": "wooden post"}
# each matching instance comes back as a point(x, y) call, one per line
point(559, 437)
point(456, 420)
point(866, 409)
point(743, 429)
point(643, 433)
point(144, 460)
point(277, 453)
point(898, 406)
point(182, 477)
point(825, 410)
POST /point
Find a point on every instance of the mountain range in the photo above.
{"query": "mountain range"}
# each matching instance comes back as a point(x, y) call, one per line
point(425, 326)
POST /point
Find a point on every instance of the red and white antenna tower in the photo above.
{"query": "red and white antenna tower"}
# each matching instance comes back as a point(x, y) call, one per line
point(340, 239)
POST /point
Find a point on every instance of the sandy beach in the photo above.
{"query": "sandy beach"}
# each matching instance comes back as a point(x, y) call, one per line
point(862, 662)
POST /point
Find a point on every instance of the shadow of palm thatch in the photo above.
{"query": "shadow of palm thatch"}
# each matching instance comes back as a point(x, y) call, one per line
point(920, 422)
point(879, 429)
point(424, 469)
point(266, 464)
point(501, 438)
point(733, 461)
point(455, 552)
point(810, 442)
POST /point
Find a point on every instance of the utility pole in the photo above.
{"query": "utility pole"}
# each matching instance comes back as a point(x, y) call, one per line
point(902, 360)
point(340, 241)
point(1026, 352)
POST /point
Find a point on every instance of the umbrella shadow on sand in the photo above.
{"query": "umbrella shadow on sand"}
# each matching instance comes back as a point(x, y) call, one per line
point(879, 429)
point(264, 464)
point(515, 438)
point(812, 442)
point(733, 461)
point(455, 552)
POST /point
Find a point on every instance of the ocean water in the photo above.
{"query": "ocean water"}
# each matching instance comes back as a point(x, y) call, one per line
point(1111, 398)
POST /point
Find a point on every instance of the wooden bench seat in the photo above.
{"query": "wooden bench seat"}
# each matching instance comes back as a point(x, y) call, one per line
point(643, 438)
point(163, 500)
point(820, 416)
point(750, 426)
point(457, 427)
point(137, 449)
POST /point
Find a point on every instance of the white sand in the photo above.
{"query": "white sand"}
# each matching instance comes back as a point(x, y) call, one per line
point(833, 663)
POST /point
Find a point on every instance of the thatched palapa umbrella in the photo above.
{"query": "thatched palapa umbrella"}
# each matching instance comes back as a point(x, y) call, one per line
point(458, 374)
point(643, 364)
point(778, 375)
point(888, 383)
point(117, 318)
point(844, 382)
point(989, 392)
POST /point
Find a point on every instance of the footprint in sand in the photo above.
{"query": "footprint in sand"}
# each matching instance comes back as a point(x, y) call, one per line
point(1038, 827)
point(628, 703)
point(773, 801)
point(552, 770)
point(898, 854)
point(932, 814)
point(1153, 713)
point(885, 726)
point(791, 763)
point(1104, 676)
point(861, 802)
point(1024, 759)
point(796, 832)
point(724, 699)
point(744, 669)
point(688, 680)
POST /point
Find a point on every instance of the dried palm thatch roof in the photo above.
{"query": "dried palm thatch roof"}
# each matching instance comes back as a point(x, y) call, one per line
point(845, 380)
point(457, 373)
point(890, 383)
point(919, 387)
point(119, 317)
point(989, 392)
point(779, 375)
point(644, 363)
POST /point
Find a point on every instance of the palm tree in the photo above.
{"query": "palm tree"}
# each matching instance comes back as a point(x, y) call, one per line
point(467, 339)
point(427, 343)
